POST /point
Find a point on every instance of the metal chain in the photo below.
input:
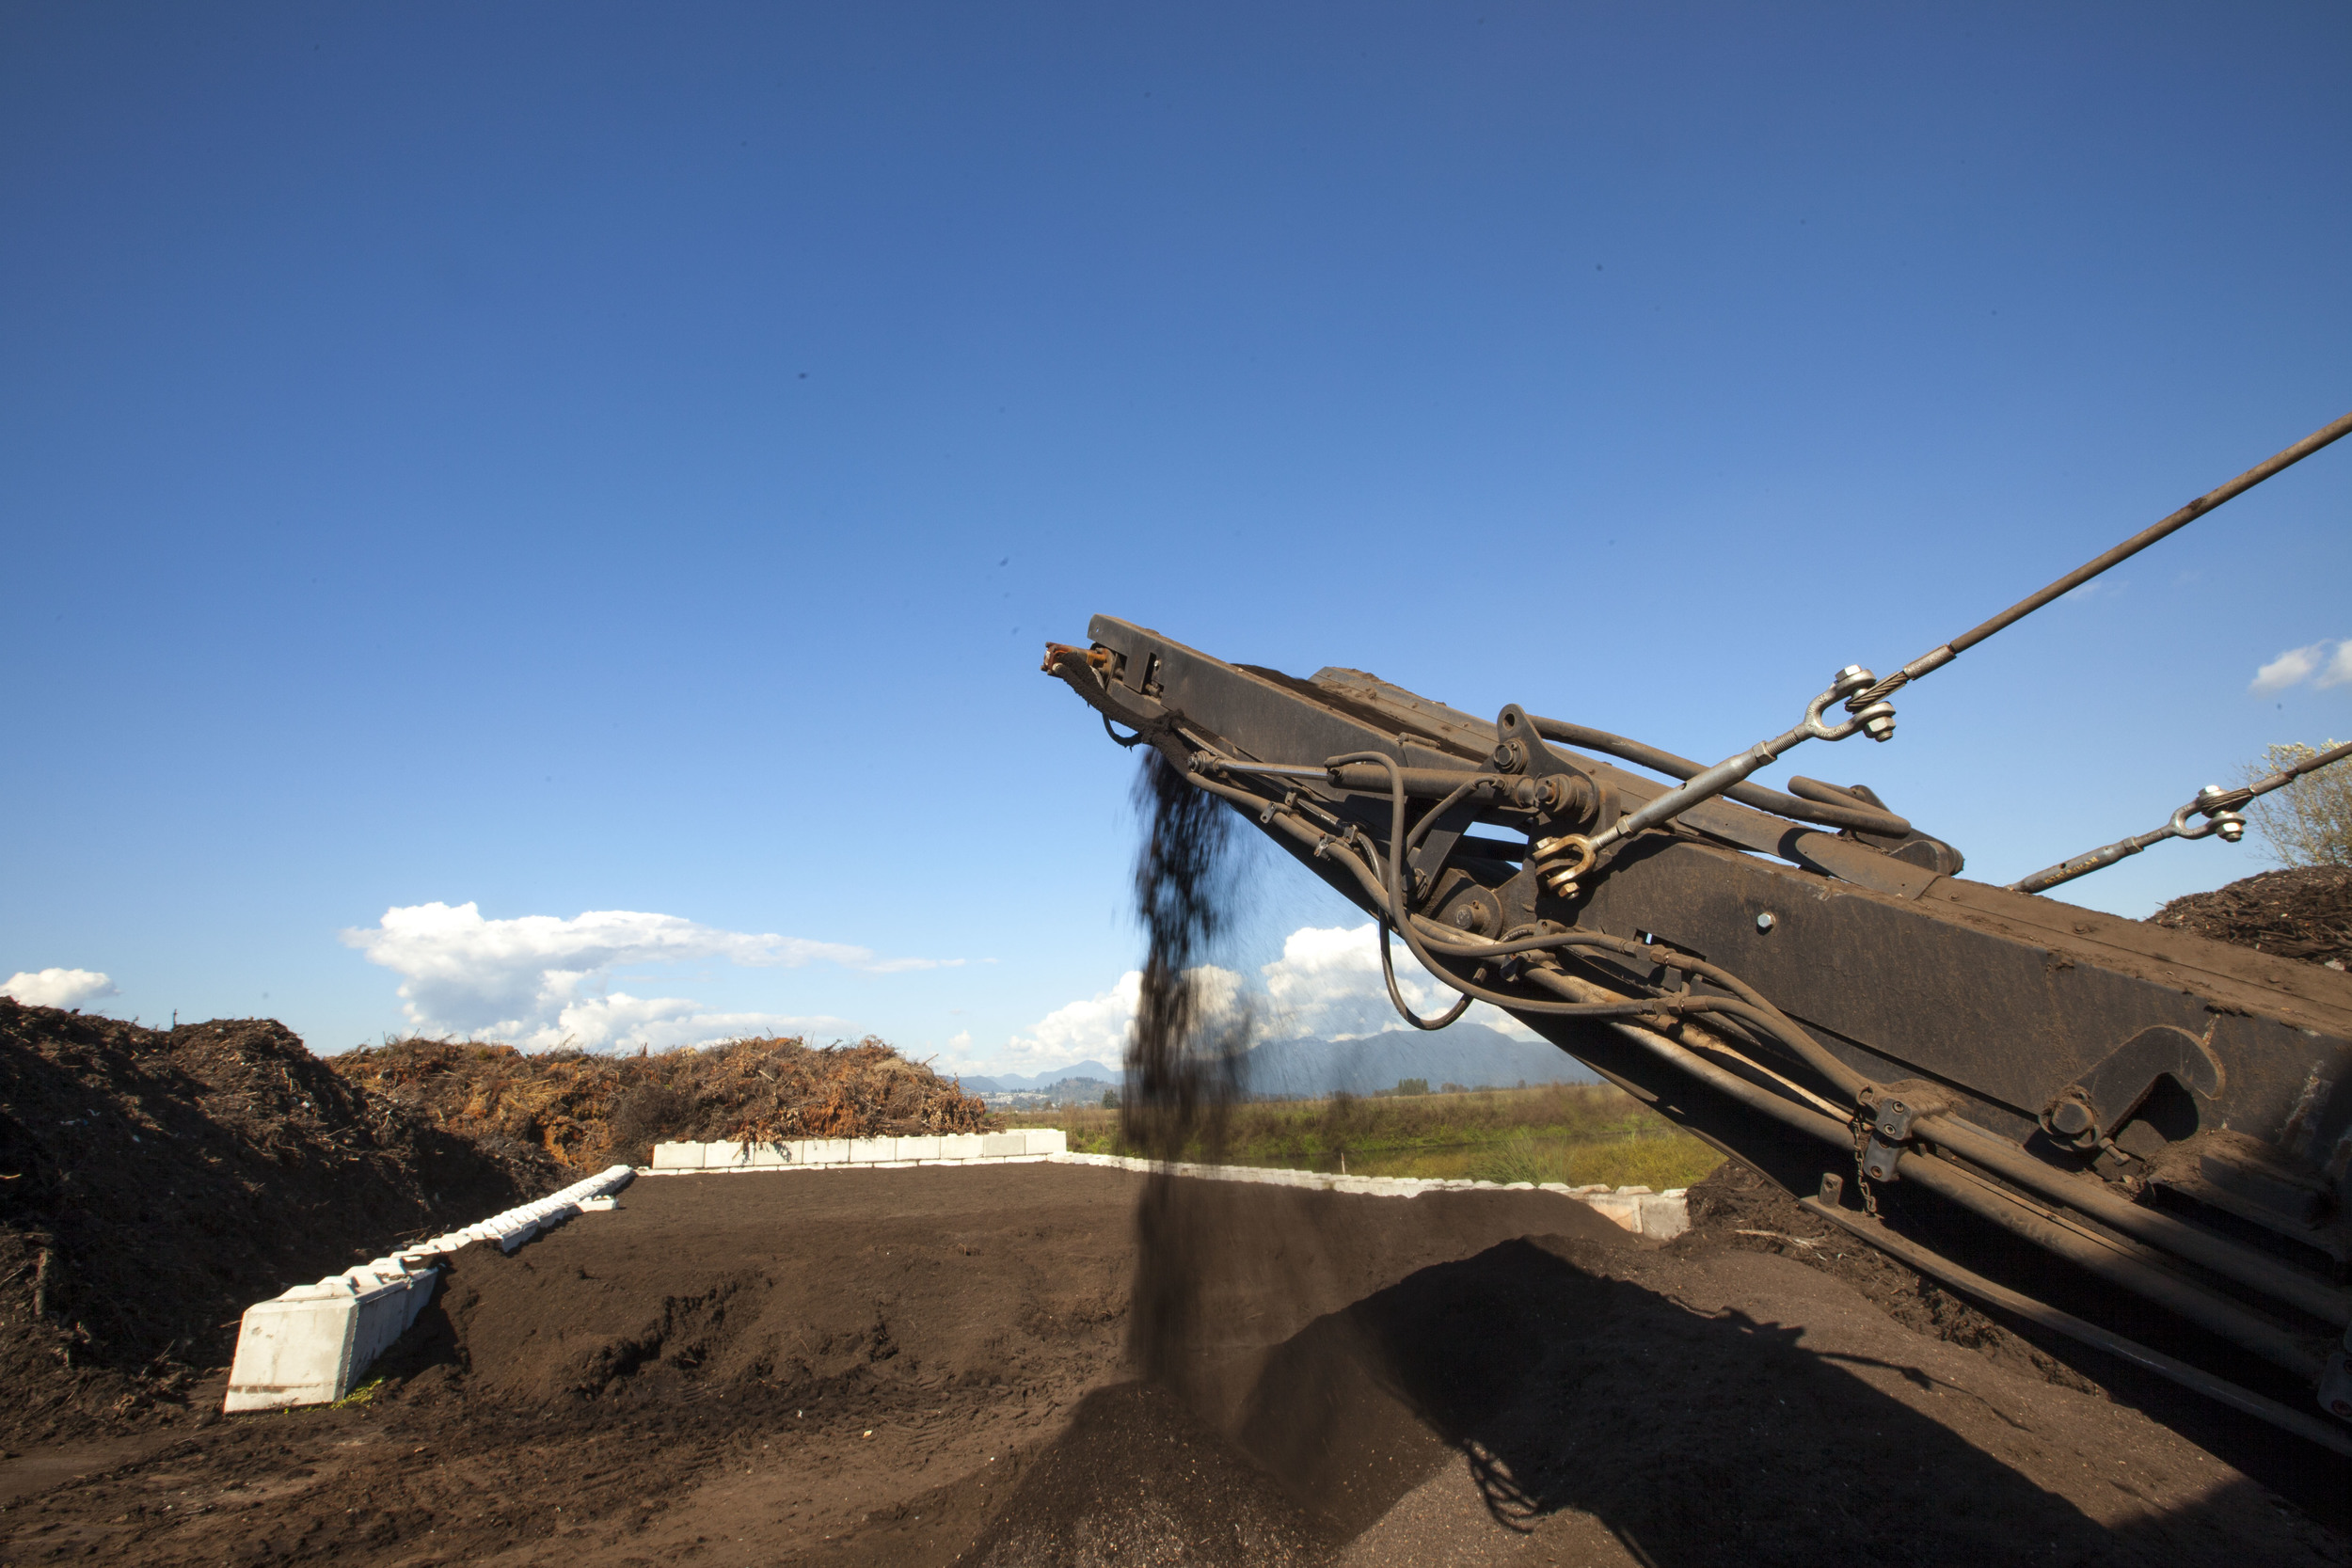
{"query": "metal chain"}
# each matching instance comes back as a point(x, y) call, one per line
point(1860, 1172)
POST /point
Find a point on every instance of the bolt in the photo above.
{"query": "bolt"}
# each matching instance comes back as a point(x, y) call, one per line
point(1465, 916)
point(1507, 755)
point(1766, 921)
point(1880, 728)
point(2070, 1117)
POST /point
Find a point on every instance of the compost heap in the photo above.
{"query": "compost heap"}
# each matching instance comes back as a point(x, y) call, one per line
point(2303, 913)
point(155, 1182)
point(589, 1111)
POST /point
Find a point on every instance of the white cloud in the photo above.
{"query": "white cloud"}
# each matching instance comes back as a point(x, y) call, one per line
point(540, 980)
point(1096, 1028)
point(2339, 671)
point(2297, 665)
point(622, 1022)
point(1326, 984)
point(58, 987)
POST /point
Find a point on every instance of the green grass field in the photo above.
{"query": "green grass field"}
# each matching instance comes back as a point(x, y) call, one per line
point(1574, 1133)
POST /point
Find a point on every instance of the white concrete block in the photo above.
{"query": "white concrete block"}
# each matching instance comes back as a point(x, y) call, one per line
point(310, 1344)
point(1000, 1144)
point(771, 1155)
point(1662, 1216)
point(1047, 1140)
point(1625, 1212)
point(962, 1146)
point(677, 1156)
point(918, 1149)
point(867, 1151)
point(828, 1152)
point(726, 1155)
point(603, 1204)
point(293, 1353)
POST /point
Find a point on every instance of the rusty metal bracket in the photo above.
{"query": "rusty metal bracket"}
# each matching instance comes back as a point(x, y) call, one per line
point(2088, 1111)
point(1892, 1109)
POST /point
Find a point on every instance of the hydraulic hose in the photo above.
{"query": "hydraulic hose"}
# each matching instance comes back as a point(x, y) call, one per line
point(2092, 1198)
point(2328, 1435)
point(1845, 813)
point(2199, 1305)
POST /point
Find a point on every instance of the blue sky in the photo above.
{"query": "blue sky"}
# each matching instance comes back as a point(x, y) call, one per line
point(599, 458)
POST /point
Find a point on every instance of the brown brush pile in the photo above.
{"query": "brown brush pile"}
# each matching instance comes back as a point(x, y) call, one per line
point(591, 1110)
point(155, 1183)
point(2304, 912)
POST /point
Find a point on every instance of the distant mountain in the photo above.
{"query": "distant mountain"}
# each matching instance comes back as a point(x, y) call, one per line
point(1014, 1082)
point(1470, 1055)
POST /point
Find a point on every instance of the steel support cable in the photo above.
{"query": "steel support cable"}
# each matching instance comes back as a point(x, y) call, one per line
point(1928, 1261)
point(2230, 799)
point(1849, 814)
point(2255, 1270)
point(1937, 657)
point(2219, 807)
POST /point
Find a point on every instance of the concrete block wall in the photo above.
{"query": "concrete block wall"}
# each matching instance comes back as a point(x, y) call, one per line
point(947, 1149)
point(1659, 1216)
point(312, 1344)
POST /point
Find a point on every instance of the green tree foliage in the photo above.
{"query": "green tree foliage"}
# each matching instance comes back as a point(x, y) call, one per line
point(1412, 1085)
point(2310, 821)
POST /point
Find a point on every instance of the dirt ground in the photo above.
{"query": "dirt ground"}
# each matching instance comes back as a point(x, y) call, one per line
point(926, 1367)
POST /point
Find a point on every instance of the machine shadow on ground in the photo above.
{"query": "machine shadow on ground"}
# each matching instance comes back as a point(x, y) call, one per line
point(1697, 1439)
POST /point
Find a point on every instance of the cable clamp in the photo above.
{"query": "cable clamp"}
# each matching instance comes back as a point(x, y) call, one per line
point(1874, 717)
point(2212, 803)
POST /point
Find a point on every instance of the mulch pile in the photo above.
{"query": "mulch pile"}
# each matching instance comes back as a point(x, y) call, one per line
point(153, 1183)
point(589, 1111)
point(2304, 913)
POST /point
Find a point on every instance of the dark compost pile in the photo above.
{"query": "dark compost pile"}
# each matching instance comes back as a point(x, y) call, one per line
point(153, 1183)
point(2304, 912)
